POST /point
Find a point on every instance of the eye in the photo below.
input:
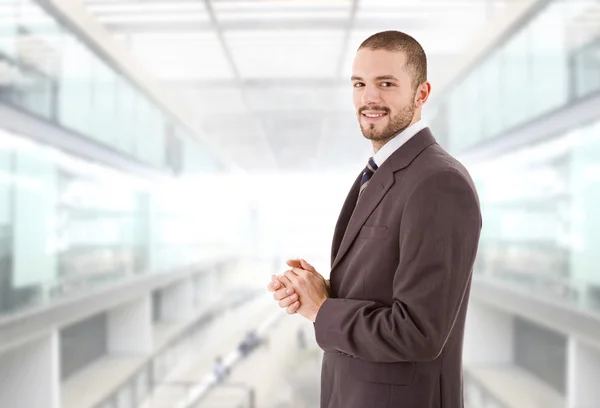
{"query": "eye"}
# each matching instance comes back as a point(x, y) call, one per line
point(386, 84)
point(358, 84)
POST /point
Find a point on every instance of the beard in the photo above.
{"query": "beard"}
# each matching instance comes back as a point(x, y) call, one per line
point(396, 124)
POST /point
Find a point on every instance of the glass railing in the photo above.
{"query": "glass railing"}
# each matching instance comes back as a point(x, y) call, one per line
point(551, 61)
point(138, 388)
point(541, 218)
point(46, 70)
point(68, 225)
point(586, 67)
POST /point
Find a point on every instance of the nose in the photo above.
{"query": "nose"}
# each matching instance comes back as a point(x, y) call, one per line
point(370, 95)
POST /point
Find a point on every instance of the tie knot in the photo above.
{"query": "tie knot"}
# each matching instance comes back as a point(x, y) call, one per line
point(371, 165)
point(367, 174)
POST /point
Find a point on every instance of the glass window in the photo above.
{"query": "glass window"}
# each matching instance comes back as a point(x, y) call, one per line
point(9, 77)
point(549, 69)
point(47, 70)
point(8, 28)
point(107, 205)
point(103, 104)
point(491, 119)
point(584, 185)
point(34, 92)
point(457, 112)
point(143, 132)
point(587, 69)
point(150, 141)
point(542, 217)
point(34, 217)
point(39, 40)
point(554, 58)
point(515, 80)
point(471, 125)
point(126, 123)
point(75, 90)
point(65, 224)
point(6, 227)
point(37, 56)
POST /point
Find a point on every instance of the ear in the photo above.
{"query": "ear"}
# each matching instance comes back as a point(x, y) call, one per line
point(422, 94)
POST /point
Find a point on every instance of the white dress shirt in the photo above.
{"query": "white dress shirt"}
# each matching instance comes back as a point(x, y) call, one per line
point(390, 147)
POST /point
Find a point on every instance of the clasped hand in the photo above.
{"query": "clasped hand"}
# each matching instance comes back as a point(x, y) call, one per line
point(300, 290)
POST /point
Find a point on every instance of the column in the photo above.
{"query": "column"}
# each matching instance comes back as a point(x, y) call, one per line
point(29, 375)
point(583, 375)
point(177, 301)
point(130, 327)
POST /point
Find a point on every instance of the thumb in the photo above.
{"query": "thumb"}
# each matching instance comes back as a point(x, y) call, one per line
point(294, 263)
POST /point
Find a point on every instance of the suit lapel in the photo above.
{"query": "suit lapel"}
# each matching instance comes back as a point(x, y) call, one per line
point(344, 218)
point(380, 184)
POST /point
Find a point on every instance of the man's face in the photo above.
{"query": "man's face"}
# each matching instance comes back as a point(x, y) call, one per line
point(383, 94)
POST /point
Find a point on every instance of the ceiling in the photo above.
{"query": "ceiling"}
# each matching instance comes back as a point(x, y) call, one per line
point(269, 80)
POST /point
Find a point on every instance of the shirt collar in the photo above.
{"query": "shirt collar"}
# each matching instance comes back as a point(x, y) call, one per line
point(390, 147)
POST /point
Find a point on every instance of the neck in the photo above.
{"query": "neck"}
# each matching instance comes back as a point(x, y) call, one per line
point(378, 144)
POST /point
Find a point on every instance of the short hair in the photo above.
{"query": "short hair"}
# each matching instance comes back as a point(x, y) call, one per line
point(416, 60)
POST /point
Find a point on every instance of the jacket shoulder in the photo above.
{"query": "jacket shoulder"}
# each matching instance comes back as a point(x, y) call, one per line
point(436, 161)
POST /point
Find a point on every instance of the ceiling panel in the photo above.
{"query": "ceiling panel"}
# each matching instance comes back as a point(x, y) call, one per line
point(209, 101)
point(101, 8)
point(285, 14)
point(263, 77)
point(291, 98)
point(146, 19)
point(295, 5)
point(278, 54)
point(183, 56)
point(149, 12)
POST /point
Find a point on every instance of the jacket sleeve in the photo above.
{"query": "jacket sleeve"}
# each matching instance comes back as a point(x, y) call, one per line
point(439, 235)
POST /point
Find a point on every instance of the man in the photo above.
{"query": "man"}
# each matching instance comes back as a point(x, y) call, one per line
point(391, 320)
point(220, 371)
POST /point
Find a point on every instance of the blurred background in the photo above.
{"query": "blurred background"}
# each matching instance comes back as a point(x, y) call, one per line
point(161, 159)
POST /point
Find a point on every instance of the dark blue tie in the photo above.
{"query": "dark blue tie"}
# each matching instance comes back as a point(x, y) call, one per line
point(367, 174)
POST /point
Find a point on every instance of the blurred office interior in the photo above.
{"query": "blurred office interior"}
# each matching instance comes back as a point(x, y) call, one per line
point(161, 159)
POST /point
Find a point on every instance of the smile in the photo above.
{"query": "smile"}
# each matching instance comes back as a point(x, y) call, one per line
point(373, 115)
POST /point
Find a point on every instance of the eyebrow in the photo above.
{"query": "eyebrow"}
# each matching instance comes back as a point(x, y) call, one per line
point(382, 77)
point(379, 78)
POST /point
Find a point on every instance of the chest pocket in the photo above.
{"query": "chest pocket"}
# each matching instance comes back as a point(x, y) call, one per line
point(373, 232)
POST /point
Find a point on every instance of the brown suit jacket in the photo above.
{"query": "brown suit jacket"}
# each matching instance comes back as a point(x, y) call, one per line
point(402, 259)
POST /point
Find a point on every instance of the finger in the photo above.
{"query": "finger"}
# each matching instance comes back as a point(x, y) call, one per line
point(283, 293)
point(293, 308)
point(284, 280)
point(274, 284)
point(300, 272)
point(307, 266)
point(285, 302)
point(293, 277)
